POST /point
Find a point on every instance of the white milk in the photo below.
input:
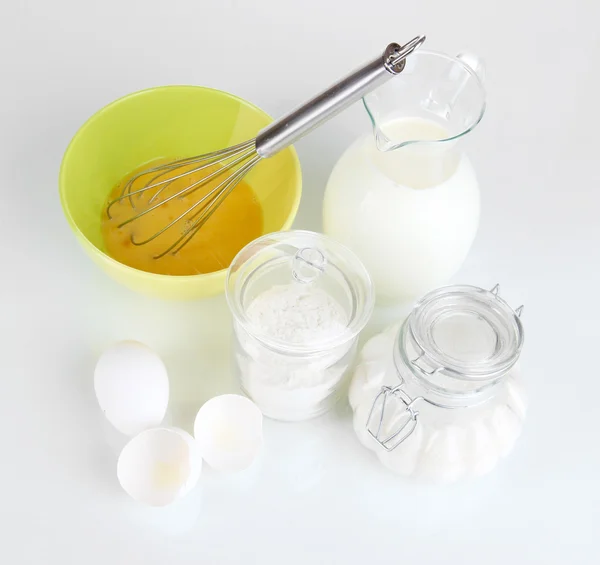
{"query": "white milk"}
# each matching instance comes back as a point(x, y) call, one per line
point(410, 214)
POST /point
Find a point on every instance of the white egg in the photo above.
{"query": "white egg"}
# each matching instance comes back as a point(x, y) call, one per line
point(228, 429)
point(132, 387)
point(159, 465)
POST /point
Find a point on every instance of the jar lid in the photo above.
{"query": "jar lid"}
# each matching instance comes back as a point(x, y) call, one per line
point(466, 333)
point(458, 343)
point(305, 264)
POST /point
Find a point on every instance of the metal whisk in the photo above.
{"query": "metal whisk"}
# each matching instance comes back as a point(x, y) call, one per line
point(235, 162)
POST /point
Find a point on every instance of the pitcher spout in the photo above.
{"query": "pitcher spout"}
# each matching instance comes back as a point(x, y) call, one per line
point(446, 92)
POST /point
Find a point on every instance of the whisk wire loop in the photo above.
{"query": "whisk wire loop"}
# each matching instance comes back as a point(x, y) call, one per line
point(233, 163)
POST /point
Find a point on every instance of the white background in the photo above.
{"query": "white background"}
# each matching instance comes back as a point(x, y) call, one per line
point(317, 496)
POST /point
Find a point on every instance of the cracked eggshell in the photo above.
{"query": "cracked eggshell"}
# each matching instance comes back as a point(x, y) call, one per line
point(228, 430)
point(159, 466)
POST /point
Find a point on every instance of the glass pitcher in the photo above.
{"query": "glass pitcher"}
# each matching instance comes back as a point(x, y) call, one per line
point(406, 199)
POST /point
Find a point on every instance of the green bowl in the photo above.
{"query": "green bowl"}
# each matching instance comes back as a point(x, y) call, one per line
point(169, 121)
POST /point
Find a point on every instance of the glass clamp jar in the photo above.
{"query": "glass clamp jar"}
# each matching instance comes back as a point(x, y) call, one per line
point(440, 395)
point(299, 301)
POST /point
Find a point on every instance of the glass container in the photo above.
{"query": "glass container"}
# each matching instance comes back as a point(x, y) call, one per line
point(440, 395)
point(299, 300)
point(406, 198)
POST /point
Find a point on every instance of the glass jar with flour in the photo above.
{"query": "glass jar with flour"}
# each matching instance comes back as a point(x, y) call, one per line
point(440, 396)
point(406, 199)
point(299, 301)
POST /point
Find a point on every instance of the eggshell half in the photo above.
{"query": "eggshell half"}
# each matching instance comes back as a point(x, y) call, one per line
point(228, 429)
point(159, 465)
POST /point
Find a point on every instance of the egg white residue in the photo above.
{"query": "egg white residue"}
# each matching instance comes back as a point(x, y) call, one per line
point(159, 465)
point(132, 387)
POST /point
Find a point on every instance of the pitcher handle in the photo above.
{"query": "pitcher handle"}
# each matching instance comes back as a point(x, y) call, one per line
point(474, 62)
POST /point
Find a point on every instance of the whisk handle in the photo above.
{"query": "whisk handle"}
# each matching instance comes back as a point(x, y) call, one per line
point(291, 127)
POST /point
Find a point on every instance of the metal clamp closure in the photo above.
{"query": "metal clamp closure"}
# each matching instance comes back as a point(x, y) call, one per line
point(406, 418)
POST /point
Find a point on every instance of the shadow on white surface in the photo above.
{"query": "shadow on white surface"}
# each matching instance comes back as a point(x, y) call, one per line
point(176, 519)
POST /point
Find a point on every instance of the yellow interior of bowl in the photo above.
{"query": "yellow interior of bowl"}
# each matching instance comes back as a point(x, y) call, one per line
point(172, 122)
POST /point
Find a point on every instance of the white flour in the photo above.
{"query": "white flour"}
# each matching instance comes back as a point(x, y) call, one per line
point(297, 314)
point(300, 386)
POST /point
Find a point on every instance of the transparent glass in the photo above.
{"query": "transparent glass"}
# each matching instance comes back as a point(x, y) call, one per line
point(406, 198)
point(290, 379)
point(440, 396)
